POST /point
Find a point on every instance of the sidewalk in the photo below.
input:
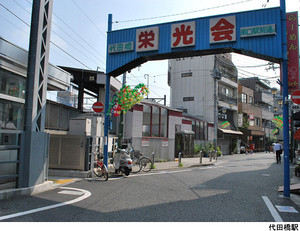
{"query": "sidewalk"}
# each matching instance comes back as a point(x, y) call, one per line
point(58, 178)
point(186, 163)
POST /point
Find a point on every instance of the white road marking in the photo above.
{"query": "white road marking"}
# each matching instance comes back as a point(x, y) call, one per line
point(70, 192)
point(85, 195)
point(150, 174)
point(272, 209)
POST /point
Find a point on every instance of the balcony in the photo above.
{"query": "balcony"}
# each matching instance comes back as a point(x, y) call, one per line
point(227, 99)
point(262, 97)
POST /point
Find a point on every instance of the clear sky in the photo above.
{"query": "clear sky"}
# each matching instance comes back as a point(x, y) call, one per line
point(78, 37)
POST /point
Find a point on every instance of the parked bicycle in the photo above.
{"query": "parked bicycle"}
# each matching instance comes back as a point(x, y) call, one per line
point(99, 168)
point(140, 162)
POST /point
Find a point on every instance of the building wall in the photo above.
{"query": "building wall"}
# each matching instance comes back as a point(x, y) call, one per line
point(199, 85)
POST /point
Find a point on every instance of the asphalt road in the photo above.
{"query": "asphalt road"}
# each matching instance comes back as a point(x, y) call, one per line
point(234, 190)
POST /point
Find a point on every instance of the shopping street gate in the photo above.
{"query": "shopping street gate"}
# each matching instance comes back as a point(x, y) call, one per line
point(253, 33)
point(259, 33)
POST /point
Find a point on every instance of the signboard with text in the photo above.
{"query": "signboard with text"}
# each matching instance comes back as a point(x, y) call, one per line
point(251, 32)
point(292, 50)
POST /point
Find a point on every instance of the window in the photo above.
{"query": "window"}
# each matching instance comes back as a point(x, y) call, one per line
point(205, 131)
point(250, 99)
point(146, 120)
point(154, 121)
point(188, 98)
point(12, 84)
point(244, 98)
point(163, 122)
point(257, 121)
point(11, 115)
point(187, 74)
point(201, 130)
point(226, 91)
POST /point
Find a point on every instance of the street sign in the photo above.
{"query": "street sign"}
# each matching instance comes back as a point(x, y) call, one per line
point(295, 97)
point(98, 107)
point(295, 107)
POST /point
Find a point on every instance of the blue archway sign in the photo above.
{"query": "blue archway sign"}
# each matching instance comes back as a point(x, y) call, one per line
point(254, 33)
point(258, 33)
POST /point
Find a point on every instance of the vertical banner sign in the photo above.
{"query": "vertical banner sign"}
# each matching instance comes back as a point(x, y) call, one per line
point(292, 51)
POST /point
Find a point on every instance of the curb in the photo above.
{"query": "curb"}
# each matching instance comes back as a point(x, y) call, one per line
point(10, 193)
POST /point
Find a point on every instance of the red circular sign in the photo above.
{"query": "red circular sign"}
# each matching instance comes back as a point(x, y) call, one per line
point(98, 107)
point(295, 97)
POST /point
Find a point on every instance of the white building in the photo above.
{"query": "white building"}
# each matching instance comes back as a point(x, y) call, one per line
point(192, 91)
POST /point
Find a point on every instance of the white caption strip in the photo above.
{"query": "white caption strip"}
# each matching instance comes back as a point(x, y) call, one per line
point(85, 195)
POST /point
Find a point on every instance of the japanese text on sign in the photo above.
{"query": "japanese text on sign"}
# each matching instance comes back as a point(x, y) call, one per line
point(120, 47)
point(222, 29)
point(292, 50)
point(147, 39)
point(183, 34)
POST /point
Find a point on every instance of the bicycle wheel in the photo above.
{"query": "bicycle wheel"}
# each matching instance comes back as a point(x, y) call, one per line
point(105, 172)
point(136, 165)
point(146, 164)
point(97, 169)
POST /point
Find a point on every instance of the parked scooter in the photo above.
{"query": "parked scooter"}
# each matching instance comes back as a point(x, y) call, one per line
point(122, 162)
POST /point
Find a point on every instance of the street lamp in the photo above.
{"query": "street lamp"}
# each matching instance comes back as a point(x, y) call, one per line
point(274, 91)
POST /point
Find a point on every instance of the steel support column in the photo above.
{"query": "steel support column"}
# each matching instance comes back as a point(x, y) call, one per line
point(286, 191)
point(36, 90)
point(107, 93)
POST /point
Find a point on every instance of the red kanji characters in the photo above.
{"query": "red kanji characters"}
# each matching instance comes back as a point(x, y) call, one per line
point(184, 33)
point(223, 29)
point(146, 38)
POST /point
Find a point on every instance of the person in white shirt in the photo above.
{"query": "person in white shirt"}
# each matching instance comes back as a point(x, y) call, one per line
point(278, 150)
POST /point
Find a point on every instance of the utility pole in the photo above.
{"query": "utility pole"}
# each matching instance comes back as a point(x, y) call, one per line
point(147, 76)
point(286, 188)
point(107, 93)
point(217, 75)
point(122, 119)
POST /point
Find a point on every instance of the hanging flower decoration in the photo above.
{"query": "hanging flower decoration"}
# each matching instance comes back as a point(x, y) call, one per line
point(225, 124)
point(128, 97)
point(278, 121)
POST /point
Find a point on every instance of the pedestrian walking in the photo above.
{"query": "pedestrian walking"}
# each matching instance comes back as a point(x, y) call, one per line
point(278, 150)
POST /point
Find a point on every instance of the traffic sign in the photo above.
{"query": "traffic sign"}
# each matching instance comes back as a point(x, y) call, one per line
point(295, 97)
point(98, 107)
point(295, 107)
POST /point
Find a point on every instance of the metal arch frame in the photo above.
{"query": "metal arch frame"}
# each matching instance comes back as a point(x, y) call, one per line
point(132, 60)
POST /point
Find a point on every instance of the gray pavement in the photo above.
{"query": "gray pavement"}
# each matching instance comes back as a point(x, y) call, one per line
point(63, 177)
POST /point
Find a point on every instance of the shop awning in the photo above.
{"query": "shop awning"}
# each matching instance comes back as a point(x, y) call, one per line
point(230, 132)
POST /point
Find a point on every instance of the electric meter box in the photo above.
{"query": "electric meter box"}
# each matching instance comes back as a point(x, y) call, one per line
point(80, 126)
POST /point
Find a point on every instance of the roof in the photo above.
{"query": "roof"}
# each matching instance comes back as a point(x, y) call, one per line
point(231, 132)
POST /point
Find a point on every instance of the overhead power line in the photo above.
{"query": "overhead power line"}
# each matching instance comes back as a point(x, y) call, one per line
point(90, 19)
point(50, 41)
point(70, 55)
point(15, 15)
point(189, 12)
